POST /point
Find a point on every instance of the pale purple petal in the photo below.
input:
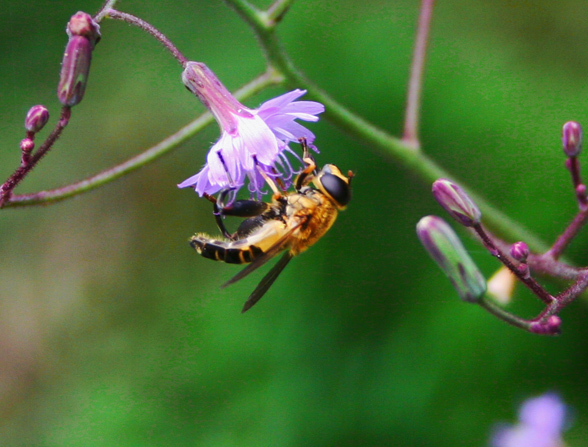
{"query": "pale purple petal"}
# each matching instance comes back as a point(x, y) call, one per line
point(293, 132)
point(263, 136)
point(542, 420)
point(281, 101)
point(305, 110)
point(191, 181)
point(258, 140)
point(546, 412)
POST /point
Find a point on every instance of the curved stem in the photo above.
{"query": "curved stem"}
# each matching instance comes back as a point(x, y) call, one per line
point(108, 4)
point(6, 190)
point(160, 149)
point(136, 21)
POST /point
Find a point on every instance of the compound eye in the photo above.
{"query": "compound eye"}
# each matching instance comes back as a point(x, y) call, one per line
point(337, 188)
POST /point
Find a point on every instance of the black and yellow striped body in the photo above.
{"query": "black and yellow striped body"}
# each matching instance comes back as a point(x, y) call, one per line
point(295, 222)
point(290, 223)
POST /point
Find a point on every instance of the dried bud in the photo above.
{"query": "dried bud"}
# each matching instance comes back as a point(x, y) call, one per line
point(519, 251)
point(82, 24)
point(36, 118)
point(74, 71)
point(572, 138)
point(456, 202)
point(447, 251)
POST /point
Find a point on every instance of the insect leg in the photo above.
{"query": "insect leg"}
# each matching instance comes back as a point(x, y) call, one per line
point(216, 211)
point(239, 208)
point(303, 177)
point(277, 194)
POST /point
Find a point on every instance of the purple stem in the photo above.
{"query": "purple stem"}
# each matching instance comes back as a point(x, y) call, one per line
point(136, 21)
point(415, 83)
point(24, 169)
point(527, 280)
point(573, 165)
point(568, 235)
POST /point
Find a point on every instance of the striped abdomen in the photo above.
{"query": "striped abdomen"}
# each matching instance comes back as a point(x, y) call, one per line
point(224, 251)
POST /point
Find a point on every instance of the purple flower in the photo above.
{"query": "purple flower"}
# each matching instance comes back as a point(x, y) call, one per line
point(251, 139)
point(541, 421)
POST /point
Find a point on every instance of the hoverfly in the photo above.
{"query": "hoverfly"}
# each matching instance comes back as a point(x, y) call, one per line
point(292, 222)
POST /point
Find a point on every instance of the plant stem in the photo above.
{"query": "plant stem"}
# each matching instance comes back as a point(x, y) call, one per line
point(568, 235)
point(22, 171)
point(415, 84)
point(499, 312)
point(108, 4)
point(375, 139)
point(275, 13)
point(136, 21)
point(533, 285)
point(160, 149)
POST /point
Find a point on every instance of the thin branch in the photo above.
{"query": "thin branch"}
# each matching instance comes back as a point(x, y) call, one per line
point(108, 4)
point(160, 149)
point(533, 285)
point(415, 84)
point(136, 21)
point(276, 12)
point(568, 235)
point(22, 171)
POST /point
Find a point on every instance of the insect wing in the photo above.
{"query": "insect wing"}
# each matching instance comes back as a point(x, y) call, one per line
point(267, 281)
point(262, 259)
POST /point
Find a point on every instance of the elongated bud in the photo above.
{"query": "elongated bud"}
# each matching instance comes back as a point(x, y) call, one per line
point(519, 251)
point(36, 118)
point(571, 137)
point(84, 34)
point(456, 202)
point(448, 252)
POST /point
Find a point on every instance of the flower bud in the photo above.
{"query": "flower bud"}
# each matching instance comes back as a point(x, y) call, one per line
point(27, 145)
point(74, 71)
point(82, 24)
point(83, 33)
point(519, 251)
point(572, 138)
point(550, 327)
point(447, 251)
point(456, 202)
point(36, 118)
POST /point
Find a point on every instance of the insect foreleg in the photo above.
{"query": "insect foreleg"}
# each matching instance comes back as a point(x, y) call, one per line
point(303, 178)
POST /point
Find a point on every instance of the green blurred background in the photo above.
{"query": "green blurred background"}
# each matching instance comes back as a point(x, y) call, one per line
point(113, 332)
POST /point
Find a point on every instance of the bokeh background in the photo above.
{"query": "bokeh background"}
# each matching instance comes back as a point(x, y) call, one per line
point(113, 332)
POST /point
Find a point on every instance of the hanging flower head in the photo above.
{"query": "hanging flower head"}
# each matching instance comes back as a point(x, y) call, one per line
point(251, 139)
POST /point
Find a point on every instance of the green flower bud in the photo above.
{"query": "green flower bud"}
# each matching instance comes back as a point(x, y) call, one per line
point(448, 252)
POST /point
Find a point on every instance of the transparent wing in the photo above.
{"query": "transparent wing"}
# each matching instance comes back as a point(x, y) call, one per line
point(267, 281)
point(262, 259)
